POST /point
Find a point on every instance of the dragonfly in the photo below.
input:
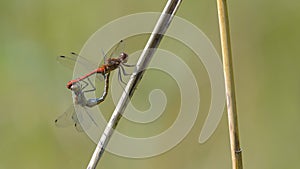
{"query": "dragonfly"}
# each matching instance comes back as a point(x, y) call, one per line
point(79, 85)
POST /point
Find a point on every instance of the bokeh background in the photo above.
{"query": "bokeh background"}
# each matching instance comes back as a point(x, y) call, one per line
point(265, 44)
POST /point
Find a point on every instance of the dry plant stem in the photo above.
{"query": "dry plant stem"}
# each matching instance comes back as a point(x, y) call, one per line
point(153, 42)
point(236, 153)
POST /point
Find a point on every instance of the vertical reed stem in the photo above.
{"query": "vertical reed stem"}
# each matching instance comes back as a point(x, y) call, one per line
point(236, 152)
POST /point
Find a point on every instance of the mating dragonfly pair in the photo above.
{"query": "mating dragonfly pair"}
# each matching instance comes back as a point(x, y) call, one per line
point(79, 84)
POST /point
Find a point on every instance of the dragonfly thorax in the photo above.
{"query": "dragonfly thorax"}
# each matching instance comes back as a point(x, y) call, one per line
point(114, 63)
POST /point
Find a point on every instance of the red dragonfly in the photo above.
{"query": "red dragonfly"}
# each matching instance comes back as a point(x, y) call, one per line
point(79, 85)
point(110, 65)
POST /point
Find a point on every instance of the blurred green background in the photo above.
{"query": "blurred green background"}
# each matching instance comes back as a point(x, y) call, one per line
point(265, 44)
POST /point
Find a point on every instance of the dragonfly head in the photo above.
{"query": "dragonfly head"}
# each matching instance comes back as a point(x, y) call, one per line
point(76, 88)
point(70, 84)
point(123, 57)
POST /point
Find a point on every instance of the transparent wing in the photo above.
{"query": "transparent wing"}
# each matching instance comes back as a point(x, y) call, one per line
point(70, 60)
point(81, 120)
point(78, 127)
point(66, 119)
point(77, 114)
point(84, 118)
point(77, 123)
point(116, 51)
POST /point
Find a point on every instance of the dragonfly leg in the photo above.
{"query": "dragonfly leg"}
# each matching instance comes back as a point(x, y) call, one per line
point(128, 65)
point(93, 87)
point(120, 77)
point(123, 71)
point(85, 85)
point(121, 82)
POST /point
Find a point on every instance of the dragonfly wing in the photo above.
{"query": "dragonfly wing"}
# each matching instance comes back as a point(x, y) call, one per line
point(66, 118)
point(70, 61)
point(77, 123)
point(84, 118)
point(78, 118)
point(67, 61)
point(116, 51)
point(78, 127)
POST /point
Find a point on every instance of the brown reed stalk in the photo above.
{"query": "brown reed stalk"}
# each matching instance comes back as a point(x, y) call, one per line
point(236, 152)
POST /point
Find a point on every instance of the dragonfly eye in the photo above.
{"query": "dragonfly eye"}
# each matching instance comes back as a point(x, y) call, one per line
point(75, 86)
point(124, 57)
